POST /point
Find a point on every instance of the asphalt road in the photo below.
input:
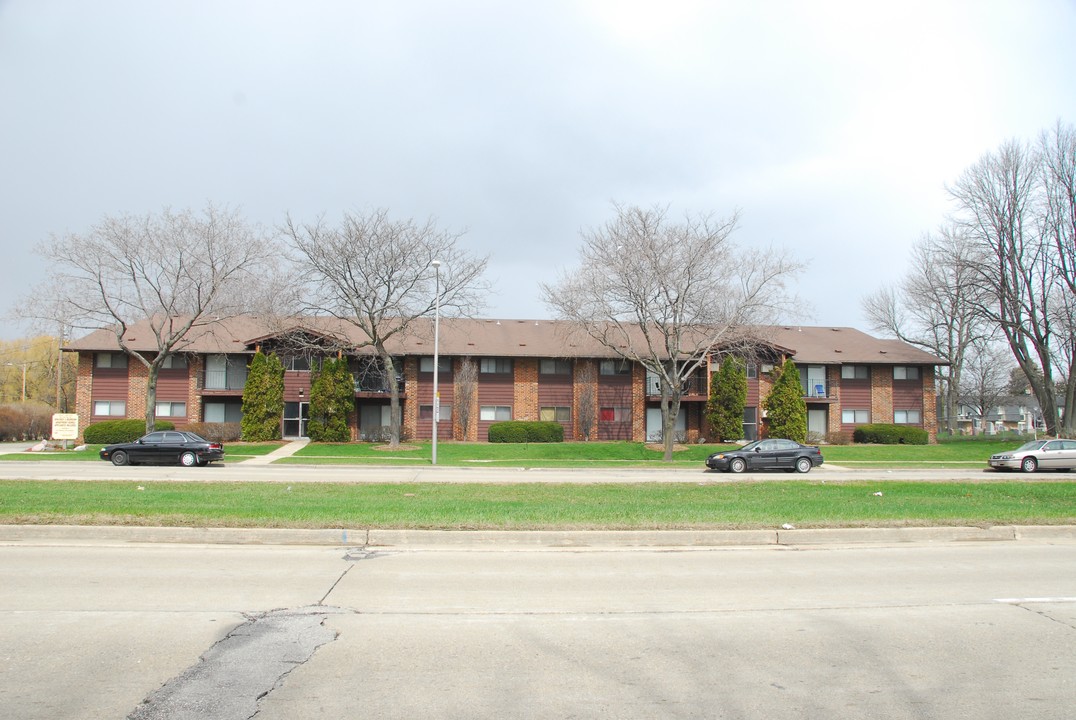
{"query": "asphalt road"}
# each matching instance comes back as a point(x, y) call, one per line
point(950, 630)
point(247, 472)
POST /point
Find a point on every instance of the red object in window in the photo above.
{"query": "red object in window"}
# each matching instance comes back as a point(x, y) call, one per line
point(606, 415)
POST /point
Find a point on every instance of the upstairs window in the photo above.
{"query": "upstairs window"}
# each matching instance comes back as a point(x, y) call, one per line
point(444, 364)
point(174, 362)
point(614, 367)
point(110, 360)
point(555, 367)
point(855, 372)
point(905, 372)
point(500, 366)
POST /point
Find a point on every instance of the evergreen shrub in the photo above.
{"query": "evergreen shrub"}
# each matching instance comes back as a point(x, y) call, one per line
point(881, 434)
point(526, 431)
point(109, 432)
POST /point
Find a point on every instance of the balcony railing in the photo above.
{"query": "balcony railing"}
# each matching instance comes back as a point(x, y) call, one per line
point(692, 386)
point(815, 389)
point(376, 384)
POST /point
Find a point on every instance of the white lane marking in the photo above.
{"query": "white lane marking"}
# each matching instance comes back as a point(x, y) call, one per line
point(1019, 601)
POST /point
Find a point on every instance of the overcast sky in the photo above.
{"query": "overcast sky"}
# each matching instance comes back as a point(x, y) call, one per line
point(832, 126)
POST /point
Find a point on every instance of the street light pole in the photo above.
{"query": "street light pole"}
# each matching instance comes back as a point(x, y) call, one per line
point(436, 355)
point(24, 365)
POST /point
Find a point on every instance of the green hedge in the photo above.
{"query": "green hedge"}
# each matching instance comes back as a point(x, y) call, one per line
point(891, 435)
point(525, 431)
point(120, 431)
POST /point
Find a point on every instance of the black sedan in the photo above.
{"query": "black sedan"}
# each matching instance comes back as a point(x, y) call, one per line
point(165, 447)
point(771, 454)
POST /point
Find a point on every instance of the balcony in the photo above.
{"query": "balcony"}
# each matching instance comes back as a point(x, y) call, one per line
point(376, 385)
point(816, 390)
point(692, 386)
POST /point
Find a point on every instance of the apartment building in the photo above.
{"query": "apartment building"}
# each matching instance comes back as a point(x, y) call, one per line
point(524, 370)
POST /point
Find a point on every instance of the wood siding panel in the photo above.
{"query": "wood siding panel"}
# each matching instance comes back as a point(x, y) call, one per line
point(446, 387)
point(855, 395)
point(173, 385)
point(558, 391)
point(614, 391)
point(497, 389)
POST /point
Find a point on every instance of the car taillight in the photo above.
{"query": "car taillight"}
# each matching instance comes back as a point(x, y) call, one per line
point(215, 446)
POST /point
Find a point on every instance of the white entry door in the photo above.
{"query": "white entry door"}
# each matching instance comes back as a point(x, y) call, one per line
point(653, 424)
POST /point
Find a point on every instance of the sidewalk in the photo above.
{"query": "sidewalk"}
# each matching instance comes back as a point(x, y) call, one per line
point(282, 452)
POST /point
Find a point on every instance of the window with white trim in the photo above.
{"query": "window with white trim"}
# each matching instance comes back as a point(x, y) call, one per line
point(109, 408)
point(614, 414)
point(555, 414)
point(853, 416)
point(425, 412)
point(171, 409)
point(489, 413)
point(906, 417)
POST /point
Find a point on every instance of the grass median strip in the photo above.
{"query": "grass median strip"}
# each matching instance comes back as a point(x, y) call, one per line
point(538, 506)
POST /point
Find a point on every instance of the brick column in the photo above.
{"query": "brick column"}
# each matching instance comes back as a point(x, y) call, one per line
point(84, 391)
point(409, 419)
point(833, 383)
point(525, 390)
point(195, 364)
point(881, 393)
point(137, 375)
point(930, 404)
point(638, 403)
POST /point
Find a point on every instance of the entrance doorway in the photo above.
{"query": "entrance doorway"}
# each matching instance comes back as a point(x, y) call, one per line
point(296, 415)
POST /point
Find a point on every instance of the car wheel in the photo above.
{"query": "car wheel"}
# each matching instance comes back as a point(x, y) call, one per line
point(737, 465)
point(119, 458)
point(188, 459)
point(1029, 464)
point(804, 465)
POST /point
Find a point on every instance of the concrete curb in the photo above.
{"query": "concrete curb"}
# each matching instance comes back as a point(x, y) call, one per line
point(467, 539)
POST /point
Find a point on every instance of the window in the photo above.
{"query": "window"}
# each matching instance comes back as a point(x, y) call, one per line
point(425, 412)
point(495, 365)
point(905, 372)
point(218, 412)
point(223, 372)
point(555, 414)
point(111, 360)
point(752, 370)
point(614, 367)
point(171, 409)
point(444, 364)
point(112, 408)
point(296, 363)
point(855, 372)
point(554, 367)
point(489, 413)
point(174, 362)
point(614, 414)
point(849, 417)
point(906, 417)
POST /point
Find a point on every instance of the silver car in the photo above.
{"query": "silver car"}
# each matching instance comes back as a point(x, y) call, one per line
point(1031, 456)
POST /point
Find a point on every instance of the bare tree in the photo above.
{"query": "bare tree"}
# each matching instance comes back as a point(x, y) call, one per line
point(985, 382)
point(665, 294)
point(465, 394)
point(179, 270)
point(1005, 206)
point(936, 306)
point(377, 274)
point(587, 399)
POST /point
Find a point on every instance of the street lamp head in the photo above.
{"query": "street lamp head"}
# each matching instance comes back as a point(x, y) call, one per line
point(436, 263)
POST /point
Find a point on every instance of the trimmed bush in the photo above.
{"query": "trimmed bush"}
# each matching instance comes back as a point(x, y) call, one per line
point(891, 435)
point(217, 432)
point(120, 431)
point(526, 431)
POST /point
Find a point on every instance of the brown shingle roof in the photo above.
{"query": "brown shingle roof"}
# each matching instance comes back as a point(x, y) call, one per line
point(514, 338)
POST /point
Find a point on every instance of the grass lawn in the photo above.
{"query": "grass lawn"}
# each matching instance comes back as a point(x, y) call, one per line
point(699, 505)
point(630, 454)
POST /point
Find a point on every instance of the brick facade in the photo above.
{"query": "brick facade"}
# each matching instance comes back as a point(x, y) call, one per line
point(882, 394)
point(525, 399)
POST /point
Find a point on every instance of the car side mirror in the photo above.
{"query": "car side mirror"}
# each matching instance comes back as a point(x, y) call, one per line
point(758, 449)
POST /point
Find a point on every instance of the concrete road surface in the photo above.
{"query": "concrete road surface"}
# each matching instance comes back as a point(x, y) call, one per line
point(952, 630)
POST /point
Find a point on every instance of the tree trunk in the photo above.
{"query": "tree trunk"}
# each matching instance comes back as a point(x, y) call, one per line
point(670, 408)
point(153, 371)
point(394, 397)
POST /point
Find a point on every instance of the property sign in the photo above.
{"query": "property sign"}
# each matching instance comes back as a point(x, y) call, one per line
point(65, 426)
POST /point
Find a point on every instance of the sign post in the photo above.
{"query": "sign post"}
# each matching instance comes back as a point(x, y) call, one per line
point(65, 427)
